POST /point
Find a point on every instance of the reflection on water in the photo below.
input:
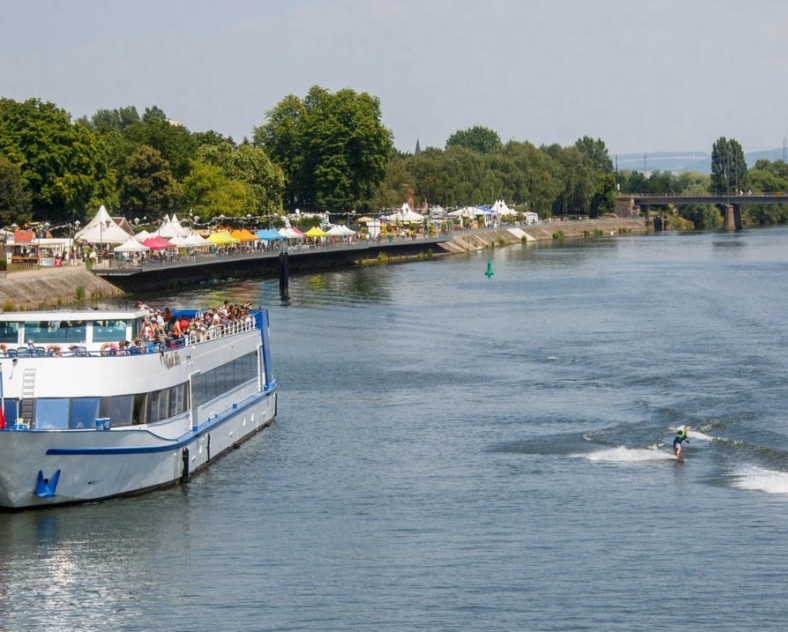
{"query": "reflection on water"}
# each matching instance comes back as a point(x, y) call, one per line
point(457, 452)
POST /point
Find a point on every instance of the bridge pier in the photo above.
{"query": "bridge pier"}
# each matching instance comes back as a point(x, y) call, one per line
point(645, 210)
point(732, 217)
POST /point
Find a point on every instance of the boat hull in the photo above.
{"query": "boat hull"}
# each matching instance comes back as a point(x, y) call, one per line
point(45, 468)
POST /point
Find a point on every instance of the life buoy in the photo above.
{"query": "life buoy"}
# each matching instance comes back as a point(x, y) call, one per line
point(106, 349)
point(4, 349)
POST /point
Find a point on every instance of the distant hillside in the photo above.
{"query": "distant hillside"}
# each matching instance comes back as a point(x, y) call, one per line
point(679, 161)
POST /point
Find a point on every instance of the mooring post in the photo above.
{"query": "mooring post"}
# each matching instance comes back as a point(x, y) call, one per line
point(284, 272)
point(645, 210)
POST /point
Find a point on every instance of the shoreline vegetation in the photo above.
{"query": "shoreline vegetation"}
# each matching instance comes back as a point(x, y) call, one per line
point(59, 288)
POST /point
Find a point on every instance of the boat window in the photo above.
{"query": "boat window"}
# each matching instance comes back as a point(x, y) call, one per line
point(9, 332)
point(118, 409)
point(177, 399)
point(109, 330)
point(51, 413)
point(64, 331)
point(214, 383)
point(84, 412)
point(141, 408)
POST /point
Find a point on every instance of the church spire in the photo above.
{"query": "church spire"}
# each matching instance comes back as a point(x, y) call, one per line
point(418, 147)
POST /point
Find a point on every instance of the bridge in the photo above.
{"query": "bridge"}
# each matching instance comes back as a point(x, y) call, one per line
point(731, 203)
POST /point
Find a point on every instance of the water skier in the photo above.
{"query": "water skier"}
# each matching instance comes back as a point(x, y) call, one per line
point(680, 437)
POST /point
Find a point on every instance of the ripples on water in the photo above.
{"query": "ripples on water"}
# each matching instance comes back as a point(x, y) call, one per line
point(454, 452)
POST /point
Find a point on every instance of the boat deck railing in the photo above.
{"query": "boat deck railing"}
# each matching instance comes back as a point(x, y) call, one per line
point(214, 332)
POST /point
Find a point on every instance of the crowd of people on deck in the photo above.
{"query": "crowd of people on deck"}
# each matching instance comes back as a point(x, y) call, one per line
point(161, 329)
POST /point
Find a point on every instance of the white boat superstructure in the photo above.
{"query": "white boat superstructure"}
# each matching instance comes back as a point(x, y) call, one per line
point(86, 420)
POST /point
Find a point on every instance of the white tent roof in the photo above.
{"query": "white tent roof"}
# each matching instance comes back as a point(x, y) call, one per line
point(503, 210)
point(102, 228)
point(179, 241)
point(467, 211)
point(131, 245)
point(406, 216)
point(289, 233)
point(196, 240)
point(142, 236)
point(336, 231)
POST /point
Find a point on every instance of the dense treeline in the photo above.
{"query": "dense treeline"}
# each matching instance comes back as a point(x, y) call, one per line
point(326, 151)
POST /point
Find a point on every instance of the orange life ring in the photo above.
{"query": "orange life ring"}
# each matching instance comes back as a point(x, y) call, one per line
point(106, 349)
point(4, 349)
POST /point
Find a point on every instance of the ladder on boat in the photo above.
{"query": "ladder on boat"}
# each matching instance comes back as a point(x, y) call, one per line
point(28, 396)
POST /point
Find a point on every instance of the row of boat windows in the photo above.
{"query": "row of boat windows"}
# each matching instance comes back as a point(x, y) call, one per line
point(73, 413)
point(206, 386)
point(67, 331)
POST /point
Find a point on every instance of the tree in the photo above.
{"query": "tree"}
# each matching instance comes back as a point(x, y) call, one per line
point(478, 138)
point(15, 201)
point(64, 165)
point(147, 185)
point(152, 113)
point(210, 193)
point(595, 152)
point(604, 200)
point(728, 167)
point(282, 139)
point(213, 138)
point(252, 166)
point(176, 144)
point(117, 119)
point(333, 148)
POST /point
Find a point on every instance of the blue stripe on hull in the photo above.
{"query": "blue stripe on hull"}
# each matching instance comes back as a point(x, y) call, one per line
point(175, 445)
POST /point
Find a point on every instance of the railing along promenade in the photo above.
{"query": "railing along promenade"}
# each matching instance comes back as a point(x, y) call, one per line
point(123, 267)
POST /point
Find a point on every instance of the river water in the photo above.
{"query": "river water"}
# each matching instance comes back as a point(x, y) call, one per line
point(454, 452)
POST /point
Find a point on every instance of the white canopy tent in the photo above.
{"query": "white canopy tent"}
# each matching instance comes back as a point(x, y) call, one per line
point(142, 236)
point(195, 240)
point(503, 210)
point(406, 215)
point(102, 229)
point(131, 245)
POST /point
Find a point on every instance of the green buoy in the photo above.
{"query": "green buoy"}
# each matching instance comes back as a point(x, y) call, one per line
point(489, 272)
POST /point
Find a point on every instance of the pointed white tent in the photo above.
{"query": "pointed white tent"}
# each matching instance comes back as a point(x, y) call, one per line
point(142, 236)
point(131, 245)
point(102, 229)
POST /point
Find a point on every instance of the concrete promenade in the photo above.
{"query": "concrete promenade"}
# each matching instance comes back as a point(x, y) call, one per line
point(50, 288)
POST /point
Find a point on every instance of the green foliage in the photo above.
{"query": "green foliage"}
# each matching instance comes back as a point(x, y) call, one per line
point(9, 306)
point(598, 232)
point(147, 185)
point(153, 113)
point(3, 264)
point(558, 235)
point(479, 139)
point(117, 119)
point(213, 138)
point(79, 293)
point(175, 143)
point(728, 168)
point(604, 200)
point(15, 199)
point(333, 148)
point(210, 193)
point(251, 166)
point(702, 216)
point(595, 153)
point(64, 165)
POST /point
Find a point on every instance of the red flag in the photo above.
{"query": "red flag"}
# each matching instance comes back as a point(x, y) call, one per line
point(2, 418)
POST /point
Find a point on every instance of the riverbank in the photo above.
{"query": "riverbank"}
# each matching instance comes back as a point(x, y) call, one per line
point(470, 242)
point(52, 288)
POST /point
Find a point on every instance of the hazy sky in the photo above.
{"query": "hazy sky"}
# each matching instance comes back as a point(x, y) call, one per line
point(643, 76)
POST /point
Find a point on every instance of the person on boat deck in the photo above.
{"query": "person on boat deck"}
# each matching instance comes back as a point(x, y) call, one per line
point(680, 437)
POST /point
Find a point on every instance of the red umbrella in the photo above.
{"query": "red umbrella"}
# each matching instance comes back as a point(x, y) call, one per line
point(158, 243)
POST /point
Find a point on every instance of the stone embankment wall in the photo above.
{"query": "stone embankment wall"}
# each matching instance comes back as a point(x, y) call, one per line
point(469, 242)
point(50, 288)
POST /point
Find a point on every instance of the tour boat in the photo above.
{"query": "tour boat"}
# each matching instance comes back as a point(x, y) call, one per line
point(85, 418)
